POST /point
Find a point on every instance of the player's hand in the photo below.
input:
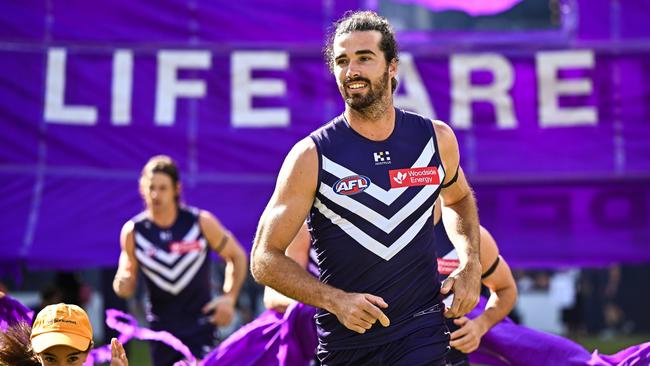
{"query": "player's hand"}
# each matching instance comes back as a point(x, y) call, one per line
point(358, 312)
point(124, 282)
point(224, 310)
point(468, 337)
point(465, 283)
point(118, 355)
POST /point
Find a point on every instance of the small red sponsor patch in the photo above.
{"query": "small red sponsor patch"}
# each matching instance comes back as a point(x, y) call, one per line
point(182, 247)
point(446, 266)
point(414, 177)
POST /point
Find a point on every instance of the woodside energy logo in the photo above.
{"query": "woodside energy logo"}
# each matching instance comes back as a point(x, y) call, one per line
point(414, 177)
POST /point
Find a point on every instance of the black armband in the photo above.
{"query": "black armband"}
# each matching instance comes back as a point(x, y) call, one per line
point(492, 268)
point(222, 243)
point(453, 180)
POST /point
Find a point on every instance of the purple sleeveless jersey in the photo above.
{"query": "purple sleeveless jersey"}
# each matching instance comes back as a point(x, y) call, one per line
point(372, 225)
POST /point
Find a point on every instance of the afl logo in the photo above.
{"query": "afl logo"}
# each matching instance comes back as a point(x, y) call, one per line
point(351, 185)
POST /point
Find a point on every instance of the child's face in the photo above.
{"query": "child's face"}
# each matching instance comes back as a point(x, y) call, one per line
point(62, 356)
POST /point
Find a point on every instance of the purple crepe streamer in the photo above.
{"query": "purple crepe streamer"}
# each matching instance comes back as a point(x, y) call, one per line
point(12, 312)
point(128, 328)
point(638, 355)
point(510, 344)
point(273, 338)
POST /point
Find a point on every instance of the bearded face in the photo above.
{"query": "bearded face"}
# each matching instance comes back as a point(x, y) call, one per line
point(361, 93)
point(362, 73)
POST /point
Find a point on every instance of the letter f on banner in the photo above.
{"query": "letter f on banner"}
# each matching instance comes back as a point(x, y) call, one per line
point(169, 88)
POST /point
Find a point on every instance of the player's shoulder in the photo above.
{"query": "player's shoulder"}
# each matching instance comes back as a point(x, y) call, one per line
point(205, 215)
point(302, 152)
point(127, 229)
point(441, 128)
point(209, 223)
point(137, 219)
point(445, 136)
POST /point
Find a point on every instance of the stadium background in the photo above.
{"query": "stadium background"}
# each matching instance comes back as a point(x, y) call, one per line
point(550, 100)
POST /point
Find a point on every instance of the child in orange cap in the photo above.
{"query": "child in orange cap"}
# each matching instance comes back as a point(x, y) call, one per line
point(62, 335)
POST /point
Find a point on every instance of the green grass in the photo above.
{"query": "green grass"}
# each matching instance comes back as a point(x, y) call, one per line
point(611, 345)
point(139, 353)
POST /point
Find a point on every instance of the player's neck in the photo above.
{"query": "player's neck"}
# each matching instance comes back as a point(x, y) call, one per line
point(376, 124)
point(164, 216)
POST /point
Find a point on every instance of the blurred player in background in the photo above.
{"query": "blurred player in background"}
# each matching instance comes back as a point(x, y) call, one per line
point(170, 243)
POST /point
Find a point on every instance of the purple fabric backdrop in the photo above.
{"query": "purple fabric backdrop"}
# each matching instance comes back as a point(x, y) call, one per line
point(559, 155)
point(472, 7)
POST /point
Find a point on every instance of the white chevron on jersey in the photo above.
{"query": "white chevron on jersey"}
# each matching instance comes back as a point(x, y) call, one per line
point(369, 242)
point(193, 233)
point(387, 197)
point(164, 256)
point(381, 222)
point(178, 286)
point(451, 255)
point(164, 268)
point(171, 273)
point(148, 247)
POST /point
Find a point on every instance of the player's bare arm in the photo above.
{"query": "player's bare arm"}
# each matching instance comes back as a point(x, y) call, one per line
point(226, 245)
point(126, 277)
point(501, 283)
point(462, 224)
point(284, 215)
point(298, 250)
point(503, 295)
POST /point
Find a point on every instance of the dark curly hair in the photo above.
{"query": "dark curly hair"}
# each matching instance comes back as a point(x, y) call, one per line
point(15, 346)
point(360, 21)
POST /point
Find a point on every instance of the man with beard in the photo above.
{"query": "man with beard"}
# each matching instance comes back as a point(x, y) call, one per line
point(367, 182)
point(170, 243)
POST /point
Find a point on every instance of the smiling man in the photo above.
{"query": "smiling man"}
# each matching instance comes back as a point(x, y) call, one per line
point(379, 293)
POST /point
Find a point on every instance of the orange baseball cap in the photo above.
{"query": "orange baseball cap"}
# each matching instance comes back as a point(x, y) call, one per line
point(61, 325)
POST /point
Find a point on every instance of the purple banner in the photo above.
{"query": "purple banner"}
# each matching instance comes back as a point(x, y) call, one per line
point(555, 140)
point(472, 7)
point(568, 223)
